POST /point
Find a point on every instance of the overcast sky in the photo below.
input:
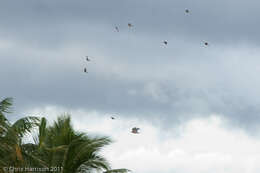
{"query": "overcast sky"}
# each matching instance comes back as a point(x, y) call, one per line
point(186, 97)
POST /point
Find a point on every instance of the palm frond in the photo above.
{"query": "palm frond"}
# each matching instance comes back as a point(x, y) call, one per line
point(118, 171)
point(5, 105)
point(25, 125)
point(42, 131)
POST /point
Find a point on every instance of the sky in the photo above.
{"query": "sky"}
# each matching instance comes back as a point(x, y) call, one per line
point(197, 106)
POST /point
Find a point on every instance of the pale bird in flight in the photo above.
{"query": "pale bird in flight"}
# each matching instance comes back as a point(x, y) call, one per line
point(135, 130)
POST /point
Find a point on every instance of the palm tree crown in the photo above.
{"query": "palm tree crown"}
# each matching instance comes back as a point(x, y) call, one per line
point(57, 145)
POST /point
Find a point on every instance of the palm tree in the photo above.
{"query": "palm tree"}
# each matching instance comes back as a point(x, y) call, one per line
point(11, 135)
point(70, 151)
point(58, 147)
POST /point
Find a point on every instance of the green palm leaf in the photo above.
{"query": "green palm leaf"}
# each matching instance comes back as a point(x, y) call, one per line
point(117, 171)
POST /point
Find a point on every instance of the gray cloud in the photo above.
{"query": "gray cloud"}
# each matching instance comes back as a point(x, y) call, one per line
point(42, 46)
point(221, 21)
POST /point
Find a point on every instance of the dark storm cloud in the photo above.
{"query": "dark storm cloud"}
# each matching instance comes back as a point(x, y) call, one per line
point(132, 72)
point(220, 21)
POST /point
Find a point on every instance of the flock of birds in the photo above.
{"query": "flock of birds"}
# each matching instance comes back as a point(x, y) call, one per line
point(135, 130)
point(130, 25)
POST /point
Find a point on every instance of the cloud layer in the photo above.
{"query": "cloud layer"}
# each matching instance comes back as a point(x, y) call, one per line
point(43, 45)
point(199, 145)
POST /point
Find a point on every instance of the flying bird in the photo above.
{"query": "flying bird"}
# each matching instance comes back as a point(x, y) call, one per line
point(165, 42)
point(187, 11)
point(117, 29)
point(112, 118)
point(206, 43)
point(135, 130)
point(87, 58)
point(85, 70)
point(130, 25)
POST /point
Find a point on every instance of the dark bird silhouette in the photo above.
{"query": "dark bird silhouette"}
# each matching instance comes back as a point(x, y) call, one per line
point(206, 43)
point(187, 11)
point(130, 25)
point(117, 29)
point(85, 70)
point(165, 42)
point(135, 130)
point(112, 118)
